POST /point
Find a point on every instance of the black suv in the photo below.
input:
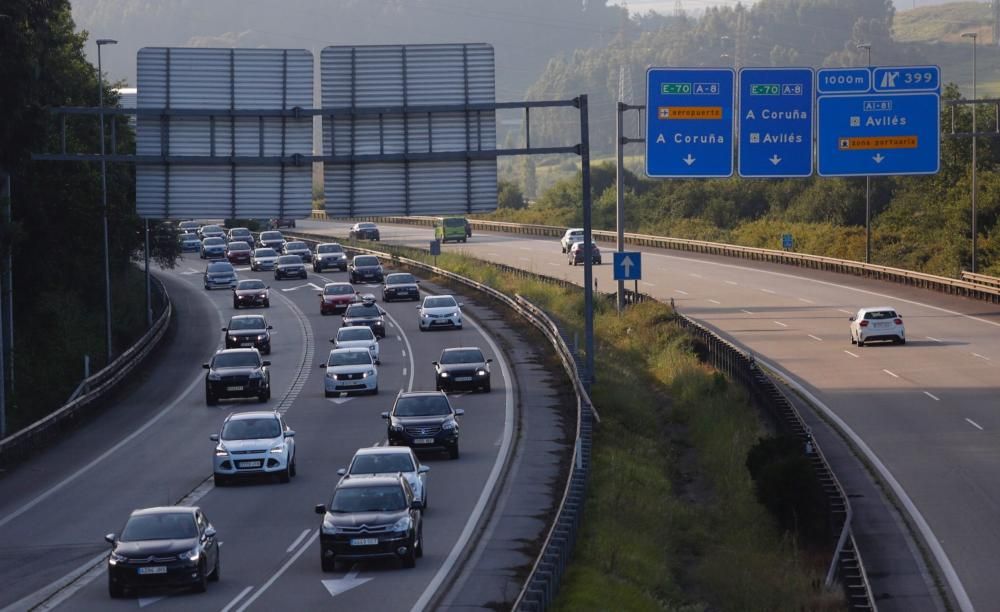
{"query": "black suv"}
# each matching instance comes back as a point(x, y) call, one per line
point(366, 312)
point(166, 546)
point(366, 268)
point(237, 373)
point(249, 331)
point(400, 286)
point(462, 368)
point(424, 420)
point(369, 518)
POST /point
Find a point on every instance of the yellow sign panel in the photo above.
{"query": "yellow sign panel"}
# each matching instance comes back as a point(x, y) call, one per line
point(861, 143)
point(689, 112)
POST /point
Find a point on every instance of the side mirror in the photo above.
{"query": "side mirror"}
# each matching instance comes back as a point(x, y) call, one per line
point(225, 329)
point(416, 505)
point(322, 366)
point(341, 472)
point(461, 304)
point(423, 469)
point(385, 415)
point(851, 319)
point(204, 365)
point(489, 360)
point(459, 412)
point(270, 327)
point(110, 538)
point(320, 294)
point(265, 363)
point(290, 433)
point(210, 532)
point(320, 508)
point(417, 281)
point(419, 307)
point(434, 363)
point(214, 437)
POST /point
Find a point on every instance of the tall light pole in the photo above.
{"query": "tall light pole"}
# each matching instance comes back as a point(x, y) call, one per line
point(868, 184)
point(973, 36)
point(104, 197)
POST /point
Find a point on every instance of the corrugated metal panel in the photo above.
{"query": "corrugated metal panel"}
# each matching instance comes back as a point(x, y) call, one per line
point(411, 75)
point(242, 79)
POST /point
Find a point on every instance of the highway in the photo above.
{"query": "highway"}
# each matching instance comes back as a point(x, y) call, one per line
point(927, 410)
point(153, 448)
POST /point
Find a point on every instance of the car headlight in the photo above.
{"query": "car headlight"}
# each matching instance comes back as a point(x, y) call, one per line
point(214, 376)
point(234, 338)
point(116, 558)
point(402, 524)
point(424, 315)
point(190, 555)
point(378, 323)
point(480, 372)
point(396, 428)
point(278, 448)
point(331, 375)
point(262, 337)
point(331, 529)
point(262, 295)
point(449, 425)
point(372, 347)
point(255, 375)
point(444, 375)
point(369, 373)
point(220, 451)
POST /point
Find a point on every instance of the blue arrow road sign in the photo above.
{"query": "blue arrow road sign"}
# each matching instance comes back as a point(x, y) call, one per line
point(628, 265)
point(776, 122)
point(689, 122)
point(893, 128)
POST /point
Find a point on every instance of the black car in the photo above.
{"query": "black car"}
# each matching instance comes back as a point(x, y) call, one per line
point(240, 234)
point(271, 240)
point(462, 368)
point(369, 518)
point(364, 231)
point(329, 255)
point(249, 331)
point(366, 269)
point(251, 292)
point(367, 313)
point(288, 266)
point(424, 420)
point(400, 286)
point(159, 547)
point(237, 373)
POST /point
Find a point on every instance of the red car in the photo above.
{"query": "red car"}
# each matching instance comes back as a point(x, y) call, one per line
point(336, 297)
point(238, 252)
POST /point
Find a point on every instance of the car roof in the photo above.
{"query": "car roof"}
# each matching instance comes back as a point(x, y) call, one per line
point(165, 510)
point(239, 242)
point(355, 327)
point(876, 308)
point(239, 229)
point(349, 349)
point(420, 393)
point(380, 480)
point(237, 350)
point(462, 348)
point(247, 316)
point(573, 230)
point(252, 414)
point(383, 450)
point(338, 283)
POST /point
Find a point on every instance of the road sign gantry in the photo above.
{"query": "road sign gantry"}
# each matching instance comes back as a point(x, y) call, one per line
point(776, 122)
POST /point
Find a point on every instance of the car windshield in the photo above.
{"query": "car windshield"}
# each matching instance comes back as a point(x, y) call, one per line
point(365, 261)
point(250, 284)
point(368, 499)
point(265, 253)
point(247, 323)
point(422, 405)
point(214, 242)
point(270, 236)
point(251, 429)
point(399, 279)
point(295, 246)
point(329, 248)
point(455, 222)
point(382, 463)
point(242, 359)
point(878, 315)
point(362, 310)
point(338, 289)
point(350, 334)
point(239, 246)
point(166, 526)
point(462, 356)
point(349, 358)
point(443, 301)
point(290, 259)
point(220, 266)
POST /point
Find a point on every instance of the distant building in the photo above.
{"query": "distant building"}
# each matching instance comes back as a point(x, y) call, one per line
point(127, 99)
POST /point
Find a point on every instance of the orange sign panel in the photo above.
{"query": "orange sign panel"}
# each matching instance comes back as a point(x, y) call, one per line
point(861, 143)
point(688, 112)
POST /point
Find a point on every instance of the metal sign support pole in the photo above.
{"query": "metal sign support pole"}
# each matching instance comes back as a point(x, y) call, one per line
point(620, 184)
point(149, 303)
point(588, 260)
point(4, 310)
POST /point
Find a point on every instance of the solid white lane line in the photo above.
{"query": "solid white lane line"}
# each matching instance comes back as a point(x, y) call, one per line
point(552, 264)
point(933, 339)
point(714, 301)
point(844, 311)
point(734, 283)
point(406, 341)
point(974, 424)
point(779, 323)
point(816, 338)
point(767, 291)
point(524, 259)
point(298, 540)
point(981, 356)
point(646, 284)
point(806, 301)
point(746, 311)
point(525, 248)
point(853, 355)
point(236, 599)
point(680, 292)
point(890, 373)
point(695, 275)
point(932, 396)
point(398, 337)
point(491, 254)
point(281, 570)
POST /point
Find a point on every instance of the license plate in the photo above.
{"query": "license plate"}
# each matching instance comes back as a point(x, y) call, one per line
point(246, 343)
point(882, 325)
point(236, 388)
point(156, 569)
point(424, 441)
point(463, 379)
point(364, 541)
point(249, 464)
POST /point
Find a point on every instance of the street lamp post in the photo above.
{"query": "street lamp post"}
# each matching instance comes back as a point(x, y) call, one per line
point(973, 36)
point(868, 184)
point(104, 197)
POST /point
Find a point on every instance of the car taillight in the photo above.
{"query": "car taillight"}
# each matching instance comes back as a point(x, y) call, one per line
point(898, 321)
point(863, 323)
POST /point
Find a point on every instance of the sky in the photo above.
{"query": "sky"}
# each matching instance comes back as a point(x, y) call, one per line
point(667, 6)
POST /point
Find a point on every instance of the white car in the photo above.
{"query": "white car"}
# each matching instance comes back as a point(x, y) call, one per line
point(379, 460)
point(253, 443)
point(263, 259)
point(573, 234)
point(360, 336)
point(350, 369)
point(881, 323)
point(440, 311)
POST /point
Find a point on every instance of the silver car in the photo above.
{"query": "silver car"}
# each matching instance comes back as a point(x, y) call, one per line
point(220, 274)
point(263, 259)
point(379, 460)
point(350, 369)
point(258, 442)
point(357, 336)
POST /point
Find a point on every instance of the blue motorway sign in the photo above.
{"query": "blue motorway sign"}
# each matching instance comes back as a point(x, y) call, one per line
point(776, 135)
point(628, 265)
point(890, 128)
point(689, 122)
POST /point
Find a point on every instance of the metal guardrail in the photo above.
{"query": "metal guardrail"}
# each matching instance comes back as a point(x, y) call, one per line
point(981, 279)
point(20, 444)
point(968, 288)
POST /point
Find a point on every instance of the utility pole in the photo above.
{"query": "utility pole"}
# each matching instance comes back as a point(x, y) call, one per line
point(104, 200)
point(4, 311)
point(868, 183)
point(973, 36)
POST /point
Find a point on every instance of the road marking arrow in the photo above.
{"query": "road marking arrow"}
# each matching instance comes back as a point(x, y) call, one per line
point(689, 160)
point(342, 585)
point(878, 158)
point(299, 287)
point(775, 159)
point(339, 400)
point(627, 266)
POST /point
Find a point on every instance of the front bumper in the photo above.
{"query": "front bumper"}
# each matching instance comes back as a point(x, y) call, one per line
point(454, 321)
point(178, 573)
point(338, 546)
point(446, 439)
point(248, 464)
point(290, 273)
point(463, 381)
point(360, 384)
point(222, 389)
point(401, 294)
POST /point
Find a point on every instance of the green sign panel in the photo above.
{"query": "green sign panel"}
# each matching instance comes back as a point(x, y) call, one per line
point(674, 88)
point(761, 89)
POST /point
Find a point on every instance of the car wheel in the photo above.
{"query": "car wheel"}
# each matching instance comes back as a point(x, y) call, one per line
point(214, 576)
point(459, 327)
point(375, 390)
point(328, 565)
point(860, 342)
point(486, 388)
point(902, 340)
point(852, 339)
point(293, 470)
point(201, 584)
point(116, 591)
point(327, 393)
point(285, 476)
point(267, 303)
point(453, 452)
point(220, 480)
point(410, 558)
point(236, 305)
point(210, 399)
point(420, 543)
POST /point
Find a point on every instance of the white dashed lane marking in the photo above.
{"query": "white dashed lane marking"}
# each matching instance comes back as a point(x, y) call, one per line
point(974, 424)
point(890, 373)
point(932, 396)
point(853, 355)
point(779, 323)
point(816, 338)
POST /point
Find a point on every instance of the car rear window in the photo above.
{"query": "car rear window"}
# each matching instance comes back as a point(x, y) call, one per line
point(379, 463)
point(366, 261)
point(455, 222)
point(878, 315)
